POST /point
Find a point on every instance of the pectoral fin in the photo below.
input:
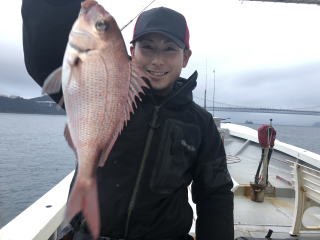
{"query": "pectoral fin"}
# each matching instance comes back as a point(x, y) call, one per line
point(52, 84)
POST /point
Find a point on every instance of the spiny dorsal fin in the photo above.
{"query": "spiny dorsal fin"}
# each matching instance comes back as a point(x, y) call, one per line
point(135, 88)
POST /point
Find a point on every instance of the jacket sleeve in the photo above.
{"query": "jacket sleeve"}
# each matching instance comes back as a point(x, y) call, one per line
point(46, 26)
point(211, 189)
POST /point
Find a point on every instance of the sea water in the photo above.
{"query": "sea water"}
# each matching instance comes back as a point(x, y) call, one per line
point(34, 156)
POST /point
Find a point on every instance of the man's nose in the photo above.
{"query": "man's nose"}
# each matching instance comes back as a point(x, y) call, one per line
point(157, 58)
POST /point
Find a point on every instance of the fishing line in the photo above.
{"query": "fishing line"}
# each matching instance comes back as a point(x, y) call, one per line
point(137, 15)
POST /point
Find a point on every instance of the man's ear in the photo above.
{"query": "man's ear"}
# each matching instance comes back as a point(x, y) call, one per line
point(132, 50)
point(186, 55)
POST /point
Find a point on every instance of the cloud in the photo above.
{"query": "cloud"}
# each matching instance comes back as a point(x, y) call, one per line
point(287, 87)
point(294, 74)
point(14, 79)
point(262, 53)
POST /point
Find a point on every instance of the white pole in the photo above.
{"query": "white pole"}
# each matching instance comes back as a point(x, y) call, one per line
point(214, 89)
point(205, 90)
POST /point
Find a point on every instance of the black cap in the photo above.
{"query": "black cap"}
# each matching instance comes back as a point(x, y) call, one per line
point(163, 20)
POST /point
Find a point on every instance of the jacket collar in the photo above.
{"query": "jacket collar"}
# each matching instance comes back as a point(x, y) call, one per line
point(180, 95)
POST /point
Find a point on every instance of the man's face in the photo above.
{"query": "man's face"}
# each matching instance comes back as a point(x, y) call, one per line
point(161, 60)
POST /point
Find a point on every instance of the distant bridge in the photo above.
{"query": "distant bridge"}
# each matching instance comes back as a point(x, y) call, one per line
point(263, 110)
point(225, 107)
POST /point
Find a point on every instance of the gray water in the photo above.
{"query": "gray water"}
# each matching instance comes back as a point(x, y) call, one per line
point(34, 157)
point(301, 136)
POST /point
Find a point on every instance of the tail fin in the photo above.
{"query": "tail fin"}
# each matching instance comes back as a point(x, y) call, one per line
point(84, 198)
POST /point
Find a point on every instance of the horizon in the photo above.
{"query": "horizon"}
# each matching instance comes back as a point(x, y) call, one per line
point(256, 118)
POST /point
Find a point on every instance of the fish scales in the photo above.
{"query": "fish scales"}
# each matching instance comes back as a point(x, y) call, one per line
point(96, 105)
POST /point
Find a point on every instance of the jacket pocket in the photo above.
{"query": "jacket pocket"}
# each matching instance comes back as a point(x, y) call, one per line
point(178, 148)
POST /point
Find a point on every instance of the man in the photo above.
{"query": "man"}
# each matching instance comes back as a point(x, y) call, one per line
point(169, 142)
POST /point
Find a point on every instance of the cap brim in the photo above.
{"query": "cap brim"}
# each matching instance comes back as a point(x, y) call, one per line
point(174, 39)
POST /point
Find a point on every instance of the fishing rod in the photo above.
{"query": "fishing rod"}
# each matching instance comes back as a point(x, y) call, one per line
point(137, 15)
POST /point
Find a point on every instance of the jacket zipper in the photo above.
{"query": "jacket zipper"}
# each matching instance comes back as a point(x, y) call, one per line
point(132, 202)
point(153, 125)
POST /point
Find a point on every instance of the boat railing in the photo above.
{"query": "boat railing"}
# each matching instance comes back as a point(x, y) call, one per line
point(303, 174)
point(306, 183)
point(307, 194)
point(41, 220)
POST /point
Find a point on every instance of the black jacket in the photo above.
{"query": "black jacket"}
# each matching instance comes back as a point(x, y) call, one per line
point(168, 143)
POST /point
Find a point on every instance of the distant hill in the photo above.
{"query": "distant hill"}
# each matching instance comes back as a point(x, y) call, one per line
point(39, 105)
point(42, 98)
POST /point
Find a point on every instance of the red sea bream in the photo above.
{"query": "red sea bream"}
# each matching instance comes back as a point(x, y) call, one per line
point(100, 84)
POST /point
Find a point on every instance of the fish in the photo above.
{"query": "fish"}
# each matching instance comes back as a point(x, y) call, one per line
point(101, 86)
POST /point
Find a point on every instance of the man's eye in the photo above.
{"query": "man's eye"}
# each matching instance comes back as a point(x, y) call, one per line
point(147, 47)
point(171, 49)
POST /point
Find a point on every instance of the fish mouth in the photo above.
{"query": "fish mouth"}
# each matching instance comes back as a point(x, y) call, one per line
point(79, 49)
point(157, 73)
point(82, 33)
point(86, 5)
point(84, 36)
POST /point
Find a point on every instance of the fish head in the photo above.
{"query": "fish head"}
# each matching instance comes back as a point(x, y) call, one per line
point(94, 27)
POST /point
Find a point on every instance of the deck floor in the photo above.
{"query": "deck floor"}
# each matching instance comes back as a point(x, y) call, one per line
point(253, 219)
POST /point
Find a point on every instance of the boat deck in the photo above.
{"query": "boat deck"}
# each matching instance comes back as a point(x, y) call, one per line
point(254, 219)
point(251, 219)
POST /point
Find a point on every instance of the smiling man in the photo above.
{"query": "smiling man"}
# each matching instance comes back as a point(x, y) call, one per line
point(169, 143)
point(161, 59)
point(162, 47)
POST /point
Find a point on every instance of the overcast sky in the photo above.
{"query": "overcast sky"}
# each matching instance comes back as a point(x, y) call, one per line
point(264, 54)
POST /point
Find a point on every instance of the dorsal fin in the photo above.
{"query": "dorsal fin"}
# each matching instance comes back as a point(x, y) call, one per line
point(135, 88)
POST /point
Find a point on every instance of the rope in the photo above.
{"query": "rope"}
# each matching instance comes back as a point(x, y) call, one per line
point(232, 159)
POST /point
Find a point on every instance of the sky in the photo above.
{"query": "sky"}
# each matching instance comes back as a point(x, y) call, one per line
point(263, 54)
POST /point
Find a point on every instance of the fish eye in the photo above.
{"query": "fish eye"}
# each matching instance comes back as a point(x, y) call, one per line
point(102, 25)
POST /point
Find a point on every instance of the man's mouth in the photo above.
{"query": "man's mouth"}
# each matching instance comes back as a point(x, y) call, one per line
point(156, 73)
